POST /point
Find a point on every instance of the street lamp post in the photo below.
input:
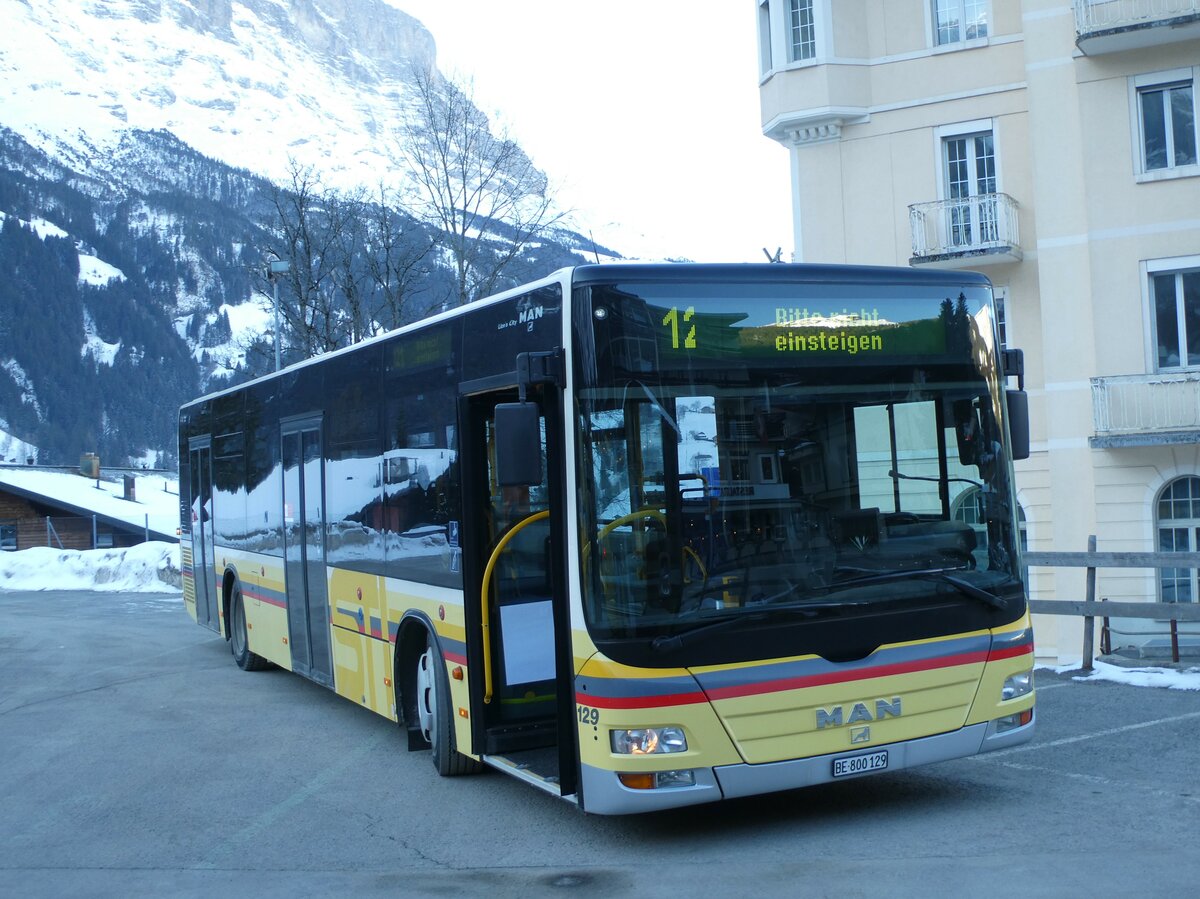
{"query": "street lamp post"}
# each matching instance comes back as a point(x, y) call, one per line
point(275, 268)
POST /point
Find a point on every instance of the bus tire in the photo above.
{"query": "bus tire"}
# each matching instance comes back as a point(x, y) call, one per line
point(239, 642)
point(434, 714)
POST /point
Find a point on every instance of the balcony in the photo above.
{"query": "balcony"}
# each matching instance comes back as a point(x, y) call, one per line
point(965, 233)
point(1146, 410)
point(1111, 26)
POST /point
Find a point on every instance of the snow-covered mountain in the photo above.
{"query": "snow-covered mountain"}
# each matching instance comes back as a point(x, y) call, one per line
point(141, 145)
point(249, 82)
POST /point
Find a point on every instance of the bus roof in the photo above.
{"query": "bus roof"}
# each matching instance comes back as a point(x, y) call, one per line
point(607, 273)
point(773, 273)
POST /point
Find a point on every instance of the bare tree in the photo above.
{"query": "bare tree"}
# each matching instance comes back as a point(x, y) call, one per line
point(397, 261)
point(312, 222)
point(354, 263)
point(476, 186)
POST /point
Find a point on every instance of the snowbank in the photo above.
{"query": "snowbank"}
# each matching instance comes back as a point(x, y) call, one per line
point(1170, 678)
point(146, 568)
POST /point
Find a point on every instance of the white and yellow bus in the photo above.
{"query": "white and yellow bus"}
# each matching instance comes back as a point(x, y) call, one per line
point(640, 535)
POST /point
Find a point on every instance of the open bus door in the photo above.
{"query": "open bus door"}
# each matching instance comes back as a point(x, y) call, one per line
point(516, 599)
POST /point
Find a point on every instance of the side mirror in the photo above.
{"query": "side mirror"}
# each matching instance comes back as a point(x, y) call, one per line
point(518, 445)
point(1018, 422)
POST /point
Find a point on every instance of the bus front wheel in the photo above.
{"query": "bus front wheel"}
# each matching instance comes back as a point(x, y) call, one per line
point(239, 642)
point(434, 714)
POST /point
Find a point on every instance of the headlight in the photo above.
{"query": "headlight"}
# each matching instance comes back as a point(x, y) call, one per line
point(648, 740)
point(1017, 685)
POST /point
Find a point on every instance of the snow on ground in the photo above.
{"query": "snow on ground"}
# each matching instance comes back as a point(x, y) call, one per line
point(14, 450)
point(146, 568)
point(94, 270)
point(1187, 679)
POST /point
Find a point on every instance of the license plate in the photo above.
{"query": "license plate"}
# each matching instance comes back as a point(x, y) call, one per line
point(860, 764)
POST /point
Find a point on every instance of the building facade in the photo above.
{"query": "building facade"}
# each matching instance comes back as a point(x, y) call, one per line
point(1053, 146)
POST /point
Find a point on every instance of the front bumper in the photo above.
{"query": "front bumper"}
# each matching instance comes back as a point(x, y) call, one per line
point(604, 794)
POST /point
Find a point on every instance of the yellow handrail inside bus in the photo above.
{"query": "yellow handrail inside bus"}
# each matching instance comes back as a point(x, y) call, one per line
point(486, 590)
point(688, 551)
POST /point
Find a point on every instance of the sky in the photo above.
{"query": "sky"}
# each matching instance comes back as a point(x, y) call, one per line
point(644, 113)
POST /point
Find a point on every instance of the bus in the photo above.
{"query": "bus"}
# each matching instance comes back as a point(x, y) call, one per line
point(640, 535)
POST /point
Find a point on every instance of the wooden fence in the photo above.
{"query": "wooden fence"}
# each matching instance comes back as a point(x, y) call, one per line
point(1090, 609)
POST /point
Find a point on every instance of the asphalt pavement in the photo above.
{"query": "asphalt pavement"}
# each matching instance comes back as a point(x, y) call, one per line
point(139, 760)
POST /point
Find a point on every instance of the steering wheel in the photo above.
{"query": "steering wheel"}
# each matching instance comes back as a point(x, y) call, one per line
point(649, 512)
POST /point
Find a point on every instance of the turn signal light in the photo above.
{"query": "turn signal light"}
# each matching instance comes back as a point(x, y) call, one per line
point(1012, 722)
point(636, 781)
point(658, 780)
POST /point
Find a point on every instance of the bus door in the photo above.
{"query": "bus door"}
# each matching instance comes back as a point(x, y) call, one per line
point(304, 549)
point(514, 552)
point(200, 451)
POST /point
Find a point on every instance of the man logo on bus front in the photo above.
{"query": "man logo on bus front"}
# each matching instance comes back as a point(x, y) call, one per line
point(836, 716)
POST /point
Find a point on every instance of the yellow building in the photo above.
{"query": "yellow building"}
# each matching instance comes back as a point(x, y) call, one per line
point(1053, 146)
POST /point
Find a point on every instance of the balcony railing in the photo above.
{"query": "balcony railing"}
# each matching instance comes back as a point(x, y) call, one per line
point(1107, 26)
point(965, 232)
point(1146, 409)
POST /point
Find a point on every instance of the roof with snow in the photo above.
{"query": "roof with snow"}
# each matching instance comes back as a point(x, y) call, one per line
point(156, 507)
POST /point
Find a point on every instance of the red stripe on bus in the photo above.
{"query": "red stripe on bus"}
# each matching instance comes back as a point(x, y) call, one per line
point(639, 702)
point(456, 658)
point(1010, 652)
point(779, 686)
point(268, 600)
point(835, 677)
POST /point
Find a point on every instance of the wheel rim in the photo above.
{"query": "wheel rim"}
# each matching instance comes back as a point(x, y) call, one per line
point(239, 626)
point(426, 694)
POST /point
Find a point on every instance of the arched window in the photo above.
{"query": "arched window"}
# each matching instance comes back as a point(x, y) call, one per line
point(1179, 531)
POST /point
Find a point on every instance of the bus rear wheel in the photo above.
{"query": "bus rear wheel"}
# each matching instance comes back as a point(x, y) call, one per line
point(434, 714)
point(239, 643)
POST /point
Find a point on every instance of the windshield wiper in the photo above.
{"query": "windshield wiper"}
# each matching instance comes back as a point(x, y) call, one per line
point(940, 575)
point(669, 642)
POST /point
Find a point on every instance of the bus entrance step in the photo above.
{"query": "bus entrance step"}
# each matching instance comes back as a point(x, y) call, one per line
point(527, 735)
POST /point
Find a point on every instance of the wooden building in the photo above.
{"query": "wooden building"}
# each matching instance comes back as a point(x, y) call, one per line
point(30, 518)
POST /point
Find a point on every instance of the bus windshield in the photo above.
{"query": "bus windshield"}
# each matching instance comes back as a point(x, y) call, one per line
point(814, 449)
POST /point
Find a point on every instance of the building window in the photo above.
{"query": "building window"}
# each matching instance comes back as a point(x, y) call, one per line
point(1175, 297)
point(1168, 125)
point(802, 29)
point(955, 21)
point(766, 62)
point(969, 168)
point(8, 535)
point(1179, 531)
point(1001, 298)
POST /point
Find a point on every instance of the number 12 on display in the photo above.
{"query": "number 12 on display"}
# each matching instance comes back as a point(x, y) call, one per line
point(671, 319)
